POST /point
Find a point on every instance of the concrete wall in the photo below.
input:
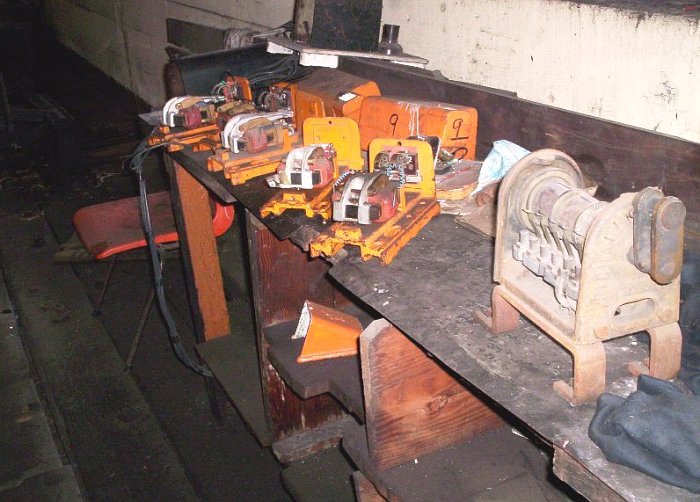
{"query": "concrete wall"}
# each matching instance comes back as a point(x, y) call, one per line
point(615, 64)
point(609, 63)
point(126, 38)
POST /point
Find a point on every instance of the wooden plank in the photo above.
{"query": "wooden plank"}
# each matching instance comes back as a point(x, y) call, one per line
point(412, 405)
point(282, 278)
point(472, 470)
point(620, 158)
point(364, 489)
point(307, 443)
point(233, 361)
point(338, 376)
point(570, 470)
point(200, 255)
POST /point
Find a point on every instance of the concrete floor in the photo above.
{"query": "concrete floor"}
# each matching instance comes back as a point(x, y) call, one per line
point(144, 436)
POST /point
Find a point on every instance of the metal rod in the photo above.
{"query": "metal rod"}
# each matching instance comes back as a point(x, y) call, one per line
point(139, 331)
point(101, 298)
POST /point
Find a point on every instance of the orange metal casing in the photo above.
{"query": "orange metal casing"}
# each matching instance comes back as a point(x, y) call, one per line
point(246, 92)
point(241, 167)
point(455, 125)
point(327, 333)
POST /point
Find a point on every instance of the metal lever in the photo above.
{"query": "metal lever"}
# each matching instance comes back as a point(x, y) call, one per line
point(658, 234)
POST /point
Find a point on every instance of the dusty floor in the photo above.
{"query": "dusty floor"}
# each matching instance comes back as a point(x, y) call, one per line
point(145, 436)
point(161, 406)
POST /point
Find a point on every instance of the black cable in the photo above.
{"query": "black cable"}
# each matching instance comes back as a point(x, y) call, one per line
point(286, 69)
point(136, 164)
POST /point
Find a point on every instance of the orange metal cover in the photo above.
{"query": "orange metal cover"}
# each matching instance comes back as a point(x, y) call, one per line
point(455, 125)
point(327, 333)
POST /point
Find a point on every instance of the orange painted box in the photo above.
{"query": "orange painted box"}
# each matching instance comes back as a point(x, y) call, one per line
point(331, 93)
point(455, 125)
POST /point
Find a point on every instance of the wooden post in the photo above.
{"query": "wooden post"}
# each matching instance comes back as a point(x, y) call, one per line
point(283, 277)
point(200, 257)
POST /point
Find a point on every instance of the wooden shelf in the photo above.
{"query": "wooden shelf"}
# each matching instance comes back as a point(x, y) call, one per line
point(339, 376)
point(234, 363)
point(451, 266)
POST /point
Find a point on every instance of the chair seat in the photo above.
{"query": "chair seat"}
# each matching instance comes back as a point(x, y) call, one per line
point(115, 227)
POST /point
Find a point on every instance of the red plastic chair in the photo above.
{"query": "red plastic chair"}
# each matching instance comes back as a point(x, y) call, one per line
point(114, 227)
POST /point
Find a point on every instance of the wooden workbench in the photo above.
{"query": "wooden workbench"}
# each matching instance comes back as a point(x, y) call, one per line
point(429, 293)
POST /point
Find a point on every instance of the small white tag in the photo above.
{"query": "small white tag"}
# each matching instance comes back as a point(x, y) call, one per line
point(304, 323)
point(347, 96)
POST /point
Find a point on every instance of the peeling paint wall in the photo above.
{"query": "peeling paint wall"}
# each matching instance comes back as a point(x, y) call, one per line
point(641, 70)
point(636, 69)
point(126, 38)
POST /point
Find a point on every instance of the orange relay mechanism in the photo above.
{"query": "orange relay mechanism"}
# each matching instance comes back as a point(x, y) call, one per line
point(307, 176)
point(454, 125)
point(382, 210)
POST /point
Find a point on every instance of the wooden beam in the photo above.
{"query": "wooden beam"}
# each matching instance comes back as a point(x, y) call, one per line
point(364, 489)
point(581, 479)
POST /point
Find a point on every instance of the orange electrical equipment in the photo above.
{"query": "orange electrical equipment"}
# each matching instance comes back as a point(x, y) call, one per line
point(408, 164)
point(340, 132)
point(244, 86)
point(206, 137)
point(454, 125)
point(331, 93)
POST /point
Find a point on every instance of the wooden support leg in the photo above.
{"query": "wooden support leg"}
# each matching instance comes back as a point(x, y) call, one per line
point(283, 278)
point(664, 353)
point(412, 405)
point(501, 317)
point(589, 374)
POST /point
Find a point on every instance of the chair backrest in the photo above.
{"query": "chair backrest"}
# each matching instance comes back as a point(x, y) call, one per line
point(223, 217)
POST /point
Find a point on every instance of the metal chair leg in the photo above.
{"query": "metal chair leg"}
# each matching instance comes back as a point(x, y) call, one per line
point(100, 300)
point(139, 331)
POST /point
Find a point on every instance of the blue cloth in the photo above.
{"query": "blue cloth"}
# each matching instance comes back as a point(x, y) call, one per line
point(690, 324)
point(498, 162)
point(656, 430)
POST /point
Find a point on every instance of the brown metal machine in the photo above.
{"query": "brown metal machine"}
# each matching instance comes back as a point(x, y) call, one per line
point(586, 271)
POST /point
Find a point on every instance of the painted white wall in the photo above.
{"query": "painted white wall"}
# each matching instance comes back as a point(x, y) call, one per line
point(609, 63)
